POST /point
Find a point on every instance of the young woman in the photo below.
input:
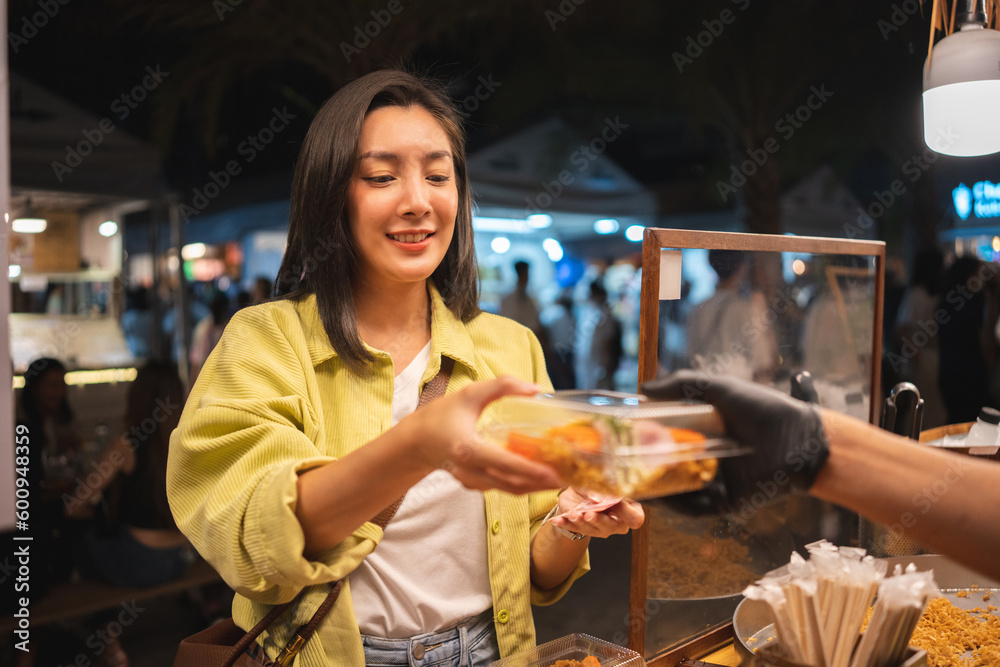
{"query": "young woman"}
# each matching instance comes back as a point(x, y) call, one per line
point(302, 426)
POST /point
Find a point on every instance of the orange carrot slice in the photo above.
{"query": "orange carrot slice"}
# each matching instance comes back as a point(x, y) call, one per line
point(579, 435)
point(525, 445)
point(686, 435)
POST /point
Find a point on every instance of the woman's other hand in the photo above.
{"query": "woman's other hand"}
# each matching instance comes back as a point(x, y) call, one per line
point(594, 515)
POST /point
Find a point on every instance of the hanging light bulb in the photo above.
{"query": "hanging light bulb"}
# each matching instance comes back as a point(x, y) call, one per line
point(30, 221)
point(962, 86)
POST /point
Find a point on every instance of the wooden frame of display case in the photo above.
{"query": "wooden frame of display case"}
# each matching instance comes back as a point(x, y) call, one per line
point(649, 310)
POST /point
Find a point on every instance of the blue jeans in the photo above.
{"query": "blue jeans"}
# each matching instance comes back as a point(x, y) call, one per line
point(471, 643)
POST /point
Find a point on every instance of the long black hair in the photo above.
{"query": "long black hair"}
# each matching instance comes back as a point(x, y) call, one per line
point(38, 369)
point(321, 257)
point(152, 410)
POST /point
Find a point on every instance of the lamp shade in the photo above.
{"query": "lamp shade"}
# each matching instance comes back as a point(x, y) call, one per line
point(28, 225)
point(962, 93)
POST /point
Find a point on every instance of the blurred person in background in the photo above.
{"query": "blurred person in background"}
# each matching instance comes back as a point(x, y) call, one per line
point(895, 288)
point(55, 300)
point(243, 299)
point(967, 343)
point(916, 334)
point(599, 342)
point(137, 322)
point(144, 547)
point(714, 328)
point(261, 291)
point(519, 305)
point(172, 339)
point(54, 455)
point(208, 332)
point(46, 429)
point(561, 330)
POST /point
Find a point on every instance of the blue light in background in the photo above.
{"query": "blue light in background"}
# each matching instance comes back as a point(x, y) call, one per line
point(569, 271)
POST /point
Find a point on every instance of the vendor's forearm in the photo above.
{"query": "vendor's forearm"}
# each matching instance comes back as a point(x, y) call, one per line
point(945, 501)
point(333, 500)
point(554, 557)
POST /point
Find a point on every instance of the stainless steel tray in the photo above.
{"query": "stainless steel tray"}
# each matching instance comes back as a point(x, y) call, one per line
point(753, 624)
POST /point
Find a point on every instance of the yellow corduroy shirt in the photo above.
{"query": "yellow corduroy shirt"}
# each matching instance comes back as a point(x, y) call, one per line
point(273, 400)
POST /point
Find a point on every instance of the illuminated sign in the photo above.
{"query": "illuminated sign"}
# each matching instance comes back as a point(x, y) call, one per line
point(982, 200)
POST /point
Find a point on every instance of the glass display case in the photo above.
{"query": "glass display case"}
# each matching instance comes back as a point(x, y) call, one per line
point(763, 308)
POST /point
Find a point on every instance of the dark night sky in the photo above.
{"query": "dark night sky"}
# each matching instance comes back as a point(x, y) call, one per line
point(581, 61)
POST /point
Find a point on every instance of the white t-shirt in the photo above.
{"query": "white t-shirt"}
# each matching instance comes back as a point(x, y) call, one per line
point(429, 571)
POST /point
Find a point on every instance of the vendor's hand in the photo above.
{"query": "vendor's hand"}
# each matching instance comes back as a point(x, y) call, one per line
point(445, 431)
point(585, 512)
point(786, 435)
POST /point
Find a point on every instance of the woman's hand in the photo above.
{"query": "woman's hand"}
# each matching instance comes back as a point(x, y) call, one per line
point(595, 515)
point(554, 554)
point(334, 499)
point(446, 437)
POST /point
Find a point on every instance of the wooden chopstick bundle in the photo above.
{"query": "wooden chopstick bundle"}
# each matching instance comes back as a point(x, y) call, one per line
point(901, 601)
point(848, 580)
point(771, 590)
point(820, 604)
point(804, 610)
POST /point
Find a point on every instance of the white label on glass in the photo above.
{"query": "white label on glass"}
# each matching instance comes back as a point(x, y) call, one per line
point(670, 274)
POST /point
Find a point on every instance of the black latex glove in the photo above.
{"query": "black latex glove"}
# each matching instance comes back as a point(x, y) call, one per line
point(789, 446)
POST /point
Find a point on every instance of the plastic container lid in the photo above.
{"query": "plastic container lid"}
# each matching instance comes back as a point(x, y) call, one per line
point(577, 646)
point(614, 443)
point(990, 415)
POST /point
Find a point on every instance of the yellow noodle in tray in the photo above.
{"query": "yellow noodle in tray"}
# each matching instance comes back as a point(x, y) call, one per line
point(613, 443)
point(947, 633)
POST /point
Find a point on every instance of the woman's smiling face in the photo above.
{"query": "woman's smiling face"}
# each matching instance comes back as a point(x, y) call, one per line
point(403, 197)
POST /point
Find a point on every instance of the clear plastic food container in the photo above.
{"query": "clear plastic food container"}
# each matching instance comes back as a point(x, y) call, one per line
point(614, 443)
point(579, 647)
